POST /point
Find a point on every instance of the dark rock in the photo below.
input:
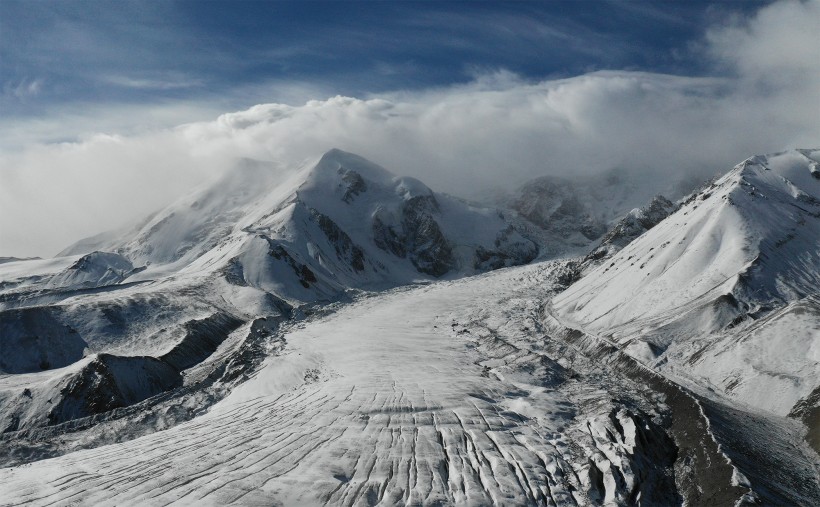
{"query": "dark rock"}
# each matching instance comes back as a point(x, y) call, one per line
point(109, 382)
point(278, 252)
point(35, 339)
point(202, 337)
point(346, 250)
point(386, 238)
point(234, 273)
point(352, 183)
point(428, 249)
point(507, 252)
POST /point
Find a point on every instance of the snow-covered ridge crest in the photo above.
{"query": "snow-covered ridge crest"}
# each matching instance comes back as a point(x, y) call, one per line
point(737, 250)
point(353, 223)
point(342, 220)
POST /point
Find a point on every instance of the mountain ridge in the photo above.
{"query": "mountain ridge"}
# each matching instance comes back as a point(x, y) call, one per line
point(723, 265)
point(363, 323)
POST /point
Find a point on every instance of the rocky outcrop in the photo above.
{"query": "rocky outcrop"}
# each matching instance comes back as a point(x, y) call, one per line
point(386, 238)
point(427, 248)
point(346, 250)
point(110, 382)
point(202, 337)
point(635, 223)
point(353, 184)
point(304, 274)
point(417, 235)
point(508, 251)
point(631, 461)
point(552, 203)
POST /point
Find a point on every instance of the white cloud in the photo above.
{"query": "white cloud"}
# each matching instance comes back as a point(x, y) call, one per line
point(781, 41)
point(499, 130)
point(165, 83)
point(23, 89)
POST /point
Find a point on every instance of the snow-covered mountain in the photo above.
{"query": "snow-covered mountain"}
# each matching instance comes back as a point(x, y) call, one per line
point(340, 223)
point(243, 248)
point(576, 212)
point(336, 334)
point(725, 290)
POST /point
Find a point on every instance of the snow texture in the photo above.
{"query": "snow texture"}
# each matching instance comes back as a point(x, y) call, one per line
point(725, 289)
point(353, 337)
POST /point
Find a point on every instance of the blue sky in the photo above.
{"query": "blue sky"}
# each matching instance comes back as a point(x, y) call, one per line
point(56, 54)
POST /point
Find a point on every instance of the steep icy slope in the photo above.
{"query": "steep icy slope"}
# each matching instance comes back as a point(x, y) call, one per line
point(724, 290)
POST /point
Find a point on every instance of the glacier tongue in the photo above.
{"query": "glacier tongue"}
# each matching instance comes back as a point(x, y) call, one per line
point(435, 394)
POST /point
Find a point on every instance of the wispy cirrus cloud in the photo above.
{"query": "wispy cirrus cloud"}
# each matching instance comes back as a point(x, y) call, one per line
point(23, 89)
point(167, 83)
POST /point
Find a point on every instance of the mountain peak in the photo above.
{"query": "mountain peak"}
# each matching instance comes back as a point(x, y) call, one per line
point(335, 162)
point(740, 254)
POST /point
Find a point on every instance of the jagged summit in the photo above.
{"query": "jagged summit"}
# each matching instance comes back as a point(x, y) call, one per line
point(575, 211)
point(336, 162)
point(635, 223)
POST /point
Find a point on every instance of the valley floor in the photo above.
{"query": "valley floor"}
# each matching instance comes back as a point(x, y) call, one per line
point(445, 393)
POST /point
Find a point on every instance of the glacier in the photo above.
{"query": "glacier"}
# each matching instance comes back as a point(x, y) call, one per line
point(339, 335)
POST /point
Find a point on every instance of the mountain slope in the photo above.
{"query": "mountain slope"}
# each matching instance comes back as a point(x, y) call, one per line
point(244, 345)
point(342, 222)
point(710, 291)
point(576, 211)
point(251, 246)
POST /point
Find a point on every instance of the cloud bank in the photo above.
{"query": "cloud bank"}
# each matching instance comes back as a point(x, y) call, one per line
point(497, 131)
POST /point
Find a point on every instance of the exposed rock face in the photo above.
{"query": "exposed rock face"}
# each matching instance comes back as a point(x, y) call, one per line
point(234, 273)
point(353, 184)
point(416, 236)
point(631, 460)
point(278, 252)
point(428, 249)
point(508, 252)
point(635, 223)
point(110, 382)
point(552, 203)
point(202, 337)
point(386, 238)
point(346, 250)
